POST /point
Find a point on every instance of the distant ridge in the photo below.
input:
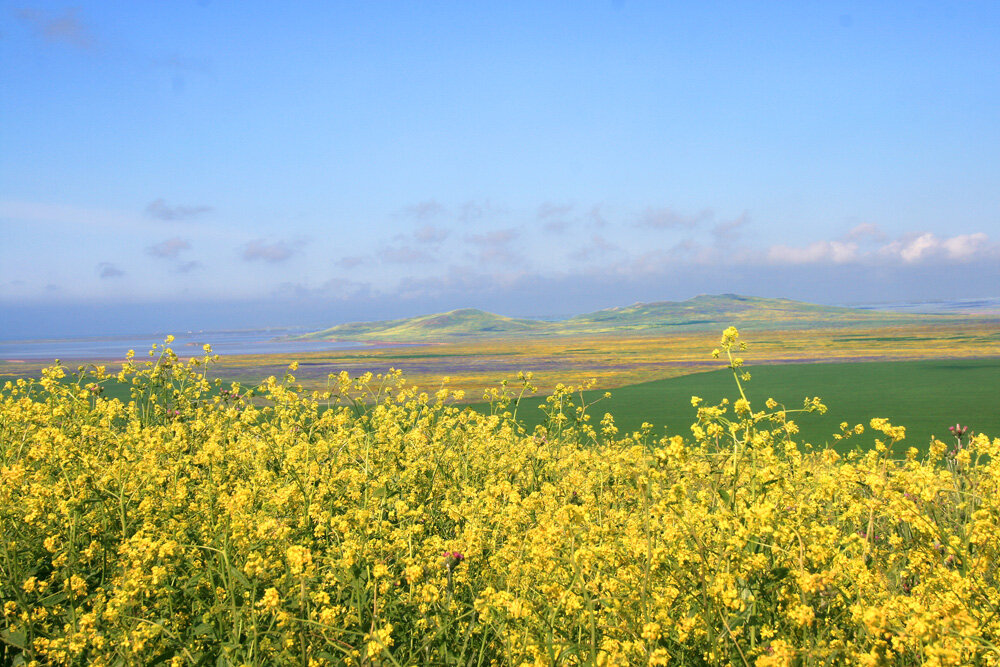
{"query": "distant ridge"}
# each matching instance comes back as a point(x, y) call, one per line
point(705, 312)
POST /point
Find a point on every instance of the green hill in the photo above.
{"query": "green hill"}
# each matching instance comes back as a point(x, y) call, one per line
point(456, 323)
point(704, 312)
point(711, 311)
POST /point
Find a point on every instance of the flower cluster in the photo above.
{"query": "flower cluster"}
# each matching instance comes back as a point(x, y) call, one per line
point(378, 524)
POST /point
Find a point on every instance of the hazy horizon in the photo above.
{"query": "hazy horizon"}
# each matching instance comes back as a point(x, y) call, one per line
point(103, 321)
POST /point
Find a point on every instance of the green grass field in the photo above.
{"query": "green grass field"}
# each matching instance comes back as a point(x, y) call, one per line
point(924, 396)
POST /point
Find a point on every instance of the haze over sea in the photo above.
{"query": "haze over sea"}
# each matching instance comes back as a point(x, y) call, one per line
point(186, 344)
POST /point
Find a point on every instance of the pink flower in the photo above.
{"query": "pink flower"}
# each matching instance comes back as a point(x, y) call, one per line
point(452, 559)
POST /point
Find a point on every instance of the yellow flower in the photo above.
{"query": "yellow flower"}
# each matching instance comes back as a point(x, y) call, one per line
point(299, 559)
point(270, 600)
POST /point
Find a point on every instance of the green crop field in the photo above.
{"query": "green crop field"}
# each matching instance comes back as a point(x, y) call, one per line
point(924, 396)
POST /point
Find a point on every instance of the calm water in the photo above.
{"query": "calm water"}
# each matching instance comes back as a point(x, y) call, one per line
point(185, 345)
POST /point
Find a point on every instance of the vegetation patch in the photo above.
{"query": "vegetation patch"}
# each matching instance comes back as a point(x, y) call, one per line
point(927, 396)
point(190, 525)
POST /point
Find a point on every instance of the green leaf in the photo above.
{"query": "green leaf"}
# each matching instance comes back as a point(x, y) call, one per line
point(240, 577)
point(202, 629)
point(53, 599)
point(15, 639)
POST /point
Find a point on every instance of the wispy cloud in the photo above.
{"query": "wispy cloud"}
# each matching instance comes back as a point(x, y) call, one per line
point(424, 210)
point(109, 270)
point(335, 288)
point(554, 216)
point(430, 234)
point(350, 262)
point(836, 252)
point(474, 211)
point(494, 247)
point(598, 248)
point(727, 232)
point(668, 218)
point(273, 253)
point(556, 226)
point(159, 209)
point(187, 267)
point(64, 28)
point(865, 231)
point(456, 280)
point(168, 249)
point(496, 237)
point(548, 210)
point(596, 216)
point(404, 255)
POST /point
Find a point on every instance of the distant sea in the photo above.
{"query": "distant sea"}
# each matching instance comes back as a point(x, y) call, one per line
point(984, 306)
point(265, 341)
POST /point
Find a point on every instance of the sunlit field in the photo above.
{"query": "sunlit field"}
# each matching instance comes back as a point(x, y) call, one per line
point(611, 360)
point(369, 522)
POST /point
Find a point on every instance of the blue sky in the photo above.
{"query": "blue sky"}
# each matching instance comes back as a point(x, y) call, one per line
point(203, 164)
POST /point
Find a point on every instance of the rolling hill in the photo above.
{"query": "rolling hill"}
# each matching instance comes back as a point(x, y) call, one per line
point(706, 312)
point(462, 322)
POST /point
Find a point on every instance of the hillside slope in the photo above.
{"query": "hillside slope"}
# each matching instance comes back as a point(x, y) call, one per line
point(704, 312)
point(456, 323)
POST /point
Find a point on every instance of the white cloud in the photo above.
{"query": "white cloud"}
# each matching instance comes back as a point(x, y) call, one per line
point(965, 246)
point(836, 252)
point(909, 249)
point(919, 247)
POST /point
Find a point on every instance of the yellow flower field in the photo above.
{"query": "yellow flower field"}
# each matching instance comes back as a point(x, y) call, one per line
point(376, 524)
